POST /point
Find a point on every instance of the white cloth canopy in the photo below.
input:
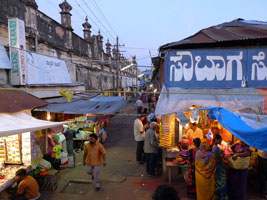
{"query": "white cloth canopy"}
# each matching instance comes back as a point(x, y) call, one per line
point(178, 99)
point(21, 122)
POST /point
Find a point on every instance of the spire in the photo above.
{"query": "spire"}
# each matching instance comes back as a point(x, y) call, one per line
point(86, 30)
point(65, 14)
point(108, 48)
point(100, 40)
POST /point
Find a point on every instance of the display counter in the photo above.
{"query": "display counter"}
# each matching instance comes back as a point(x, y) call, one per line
point(7, 175)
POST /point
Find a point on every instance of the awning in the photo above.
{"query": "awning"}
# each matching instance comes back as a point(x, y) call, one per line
point(243, 130)
point(105, 98)
point(21, 122)
point(14, 101)
point(96, 105)
point(179, 99)
point(75, 97)
point(4, 60)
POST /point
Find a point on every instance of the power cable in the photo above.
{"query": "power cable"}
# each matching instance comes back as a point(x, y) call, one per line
point(134, 92)
point(105, 19)
point(146, 49)
point(91, 18)
point(57, 8)
point(99, 20)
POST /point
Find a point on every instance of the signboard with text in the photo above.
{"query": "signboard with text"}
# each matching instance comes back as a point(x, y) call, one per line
point(17, 43)
point(46, 70)
point(216, 68)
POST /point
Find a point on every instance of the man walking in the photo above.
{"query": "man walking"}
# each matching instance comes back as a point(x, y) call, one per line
point(151, 149)
point(93, 154)
point(139, 105)
point(139, 136)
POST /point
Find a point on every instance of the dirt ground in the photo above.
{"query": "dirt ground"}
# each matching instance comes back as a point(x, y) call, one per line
point(122, 178)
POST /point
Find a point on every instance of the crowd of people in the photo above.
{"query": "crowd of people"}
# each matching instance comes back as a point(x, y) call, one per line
point(219, 172)
point(215, 171)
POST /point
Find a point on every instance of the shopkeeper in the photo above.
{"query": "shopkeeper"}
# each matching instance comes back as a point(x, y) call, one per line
point(194, 132)
point(28, 187)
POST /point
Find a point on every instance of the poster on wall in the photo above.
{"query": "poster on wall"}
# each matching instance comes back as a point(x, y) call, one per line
point(4, 60)
point(46, 70)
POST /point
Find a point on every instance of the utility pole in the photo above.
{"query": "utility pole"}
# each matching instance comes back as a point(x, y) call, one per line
point(117, 60)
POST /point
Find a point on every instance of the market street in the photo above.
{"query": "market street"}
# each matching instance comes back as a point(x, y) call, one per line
point(122, 178)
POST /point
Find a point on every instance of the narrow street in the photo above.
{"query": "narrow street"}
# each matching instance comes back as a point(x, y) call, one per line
point(122, 178)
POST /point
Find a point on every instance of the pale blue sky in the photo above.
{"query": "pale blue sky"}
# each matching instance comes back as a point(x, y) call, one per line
point(148, 24)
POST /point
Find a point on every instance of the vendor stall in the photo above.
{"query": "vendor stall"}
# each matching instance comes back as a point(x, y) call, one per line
point(194, 92)
point(18, 144)
point(89, 115)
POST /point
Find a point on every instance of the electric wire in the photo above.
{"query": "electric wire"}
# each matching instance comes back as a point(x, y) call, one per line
point(135, 92)
point(76, 61)
point(99, 21)
point(91, 18)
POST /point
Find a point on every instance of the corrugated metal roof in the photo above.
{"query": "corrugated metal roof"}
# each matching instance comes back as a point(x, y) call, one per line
point(237, 30)
point(14, 101)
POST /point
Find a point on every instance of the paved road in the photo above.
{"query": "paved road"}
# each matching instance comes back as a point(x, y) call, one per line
point(121, 179)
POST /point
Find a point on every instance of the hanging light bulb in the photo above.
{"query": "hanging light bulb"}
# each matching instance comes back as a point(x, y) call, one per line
point(48, 116)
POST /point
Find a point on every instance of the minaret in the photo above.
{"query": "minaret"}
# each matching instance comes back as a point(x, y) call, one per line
point(66, 15)
point(108, 48)
point(100, 40)
point(86, 30)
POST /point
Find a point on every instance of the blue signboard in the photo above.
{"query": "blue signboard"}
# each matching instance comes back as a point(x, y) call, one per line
point(216, 68)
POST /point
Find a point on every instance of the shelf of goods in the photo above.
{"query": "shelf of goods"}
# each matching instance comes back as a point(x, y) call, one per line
point(167, 135)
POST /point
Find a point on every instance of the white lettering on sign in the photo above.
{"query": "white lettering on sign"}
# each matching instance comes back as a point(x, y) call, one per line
point(12, 33)
point(181, 70)
point(259, 69)
point(219, 68)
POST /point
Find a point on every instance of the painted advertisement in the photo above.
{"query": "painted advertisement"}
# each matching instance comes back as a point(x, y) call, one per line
point(46, 70)
point(216, 68)
point(17, 43)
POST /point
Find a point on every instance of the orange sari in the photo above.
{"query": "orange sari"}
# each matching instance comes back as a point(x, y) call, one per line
point(204, 171)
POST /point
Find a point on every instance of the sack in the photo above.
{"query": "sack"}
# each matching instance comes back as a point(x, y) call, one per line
point(64, 158)
point(44, 164)
point(239, 163)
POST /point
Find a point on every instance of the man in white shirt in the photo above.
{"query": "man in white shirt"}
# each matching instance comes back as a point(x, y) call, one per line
point(139, 105)
point(194, 132)
point(262, 158)
point(139, 136)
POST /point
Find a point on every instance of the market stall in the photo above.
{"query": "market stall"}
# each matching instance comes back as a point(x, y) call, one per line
point(210, 120)
point(19, 145)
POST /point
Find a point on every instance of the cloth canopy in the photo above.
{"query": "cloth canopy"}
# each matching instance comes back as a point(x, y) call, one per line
point(96, 105)
point(255, 137)
point(178, 99)
point(21, 122)
point(104, 98)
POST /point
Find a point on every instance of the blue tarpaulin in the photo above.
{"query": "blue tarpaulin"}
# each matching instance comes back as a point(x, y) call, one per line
point(96, 105)
point(256, 138)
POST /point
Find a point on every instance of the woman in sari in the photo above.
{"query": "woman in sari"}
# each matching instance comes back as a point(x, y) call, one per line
point(191, 180)
point(237, 178)
point(204, 172)
point(220, 172)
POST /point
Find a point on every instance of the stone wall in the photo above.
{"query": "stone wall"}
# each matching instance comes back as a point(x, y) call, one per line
point(48, 37)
